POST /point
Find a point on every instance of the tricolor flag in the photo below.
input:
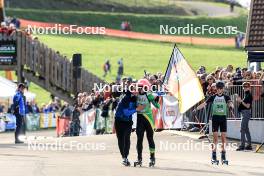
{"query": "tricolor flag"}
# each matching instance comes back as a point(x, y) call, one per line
point(182, 81)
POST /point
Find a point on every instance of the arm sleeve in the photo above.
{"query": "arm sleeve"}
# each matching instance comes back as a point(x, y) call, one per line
point(129, 112)
point(248, 99)
point(152, 100)
point(16, 100)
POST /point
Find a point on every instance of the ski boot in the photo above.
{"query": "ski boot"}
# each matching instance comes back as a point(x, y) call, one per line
point(126, 162)
point(152, 162)
point(223, 158)
point(138, 163)
point(214, 159)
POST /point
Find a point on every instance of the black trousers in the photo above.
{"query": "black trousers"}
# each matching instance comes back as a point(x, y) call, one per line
point(123, 132)
point(20, 126)
point(142, 126)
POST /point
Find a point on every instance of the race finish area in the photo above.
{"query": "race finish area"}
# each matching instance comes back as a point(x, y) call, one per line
point(174, 156)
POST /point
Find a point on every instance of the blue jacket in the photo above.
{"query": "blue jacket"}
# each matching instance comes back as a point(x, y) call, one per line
point(126, 108)
point(19, 102)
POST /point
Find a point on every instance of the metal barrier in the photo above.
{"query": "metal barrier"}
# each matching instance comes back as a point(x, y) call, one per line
point(257, 104)
point(233, 91)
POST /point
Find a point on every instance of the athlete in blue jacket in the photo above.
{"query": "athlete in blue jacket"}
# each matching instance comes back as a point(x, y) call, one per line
point(123, 123)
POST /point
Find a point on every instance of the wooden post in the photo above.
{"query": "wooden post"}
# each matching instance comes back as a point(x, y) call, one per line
point(47, 67)
point(20, 67)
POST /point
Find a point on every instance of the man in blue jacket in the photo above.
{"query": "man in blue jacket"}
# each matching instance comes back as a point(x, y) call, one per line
point(123, 123)
point(19, 110)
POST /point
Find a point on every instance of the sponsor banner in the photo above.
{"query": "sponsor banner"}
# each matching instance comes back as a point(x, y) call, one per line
point(11, 122)
point(157, 114)
point(48, 120)
point(32, 122)
point(52, 119)
point(7, 52)
point(44, 120)
point(87, 122)
point(171, 116)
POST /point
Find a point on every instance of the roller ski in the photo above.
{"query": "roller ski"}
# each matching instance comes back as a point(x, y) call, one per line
point(138, 163)
point(152, 162)
point(223, 159)
point(214, 159)
point(126, 162)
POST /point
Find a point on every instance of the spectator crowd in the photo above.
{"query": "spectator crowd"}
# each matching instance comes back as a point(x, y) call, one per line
point(9, 26)
point(229, 75)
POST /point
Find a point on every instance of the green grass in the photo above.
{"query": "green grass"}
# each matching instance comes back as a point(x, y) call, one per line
point(139, 55)
point(148, 23)
point(135, 6)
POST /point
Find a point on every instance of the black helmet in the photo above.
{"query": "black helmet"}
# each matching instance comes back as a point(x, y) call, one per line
point(220, 85)
point(21, 85)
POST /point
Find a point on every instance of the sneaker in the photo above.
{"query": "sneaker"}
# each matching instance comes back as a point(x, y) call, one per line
point(240, 148)
point(126, 162)
point(249, 147)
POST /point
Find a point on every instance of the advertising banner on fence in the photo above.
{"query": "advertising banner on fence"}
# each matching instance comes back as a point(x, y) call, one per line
point(52, 119)
point(7, 52)
point(44, 120)
point(11, 122)
point(48, 120)
point(32, 122)
point(87, 121)
point(171, 116)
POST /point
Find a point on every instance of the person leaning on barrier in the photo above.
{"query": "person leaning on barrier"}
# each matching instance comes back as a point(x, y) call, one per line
point(244, 110)
point(19, 110)
point(75, 126)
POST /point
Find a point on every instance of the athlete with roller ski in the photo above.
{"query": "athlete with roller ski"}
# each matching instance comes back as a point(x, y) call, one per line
point(219, 102)
point(145, 121)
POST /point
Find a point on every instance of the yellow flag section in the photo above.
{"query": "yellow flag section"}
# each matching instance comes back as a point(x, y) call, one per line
point(182, 82)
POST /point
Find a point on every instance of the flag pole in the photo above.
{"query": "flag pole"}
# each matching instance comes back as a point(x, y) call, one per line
point(175, 45)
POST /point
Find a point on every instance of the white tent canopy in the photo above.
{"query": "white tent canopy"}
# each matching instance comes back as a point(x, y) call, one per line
point(8, 90)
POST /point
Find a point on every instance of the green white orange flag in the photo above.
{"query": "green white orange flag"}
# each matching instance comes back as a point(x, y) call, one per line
point(182, 81)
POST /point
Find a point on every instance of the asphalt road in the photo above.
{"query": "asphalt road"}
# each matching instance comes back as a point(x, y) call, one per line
point(99, 155)
point(207, 8)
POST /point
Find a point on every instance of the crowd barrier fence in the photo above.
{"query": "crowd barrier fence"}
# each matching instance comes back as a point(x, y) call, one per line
point(203, 115)
point(33, 121)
